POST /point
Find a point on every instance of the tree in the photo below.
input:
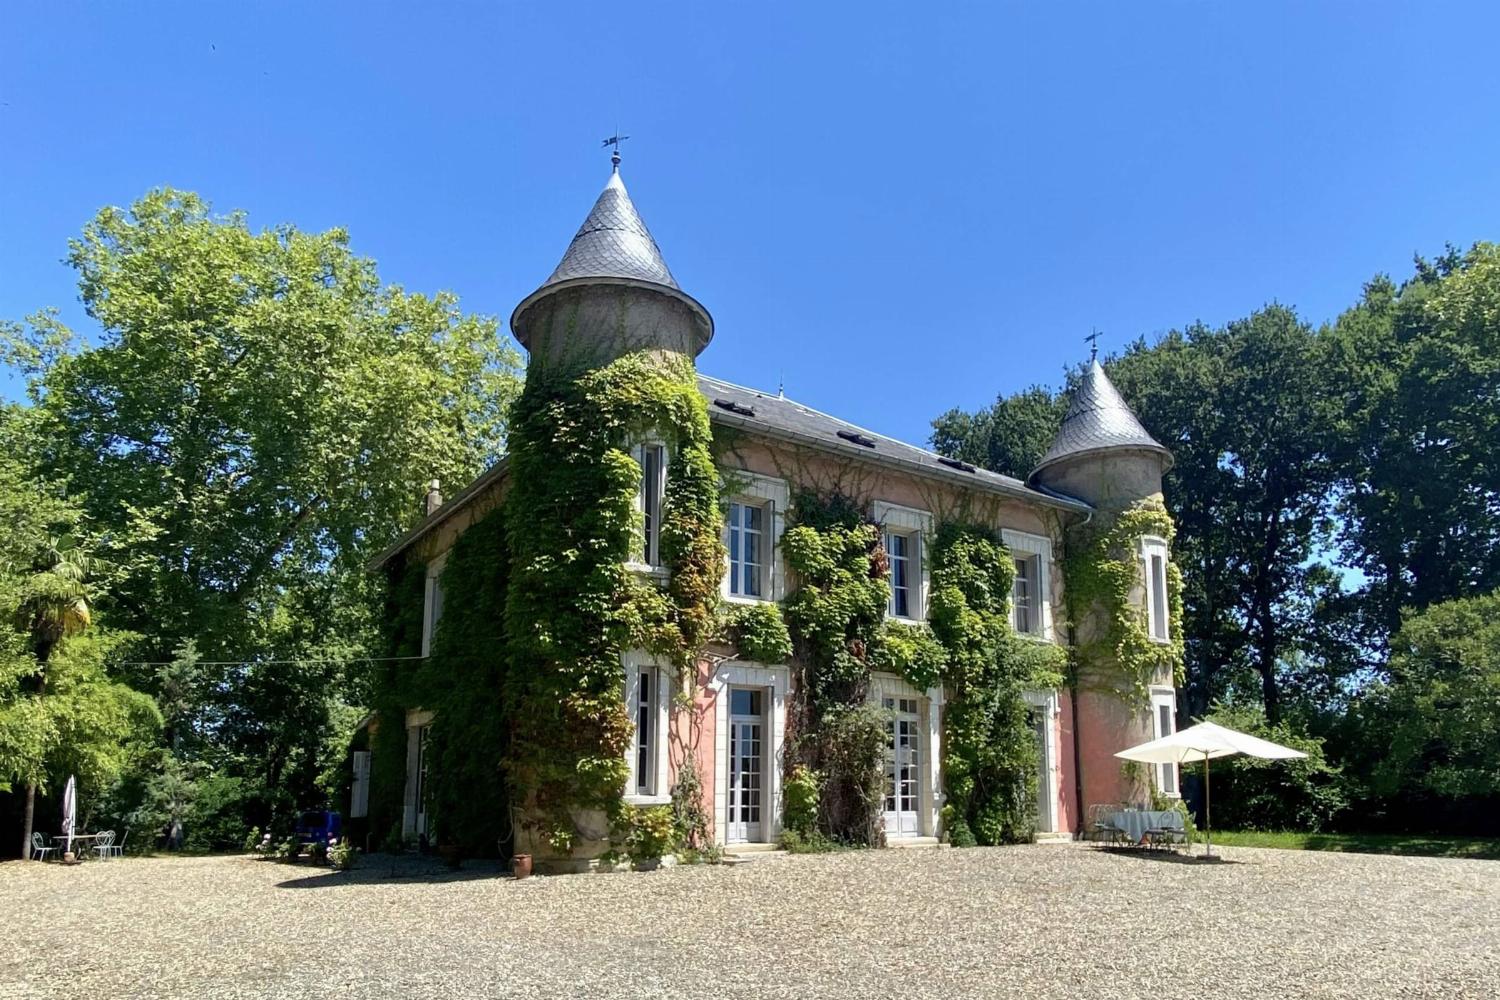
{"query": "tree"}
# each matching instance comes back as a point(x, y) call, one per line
point(1420, 436)
point(60, 712)
point(1429, 731)
point(1009, 437)
point(256, 416)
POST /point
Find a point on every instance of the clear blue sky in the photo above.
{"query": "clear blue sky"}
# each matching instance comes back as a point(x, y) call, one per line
point(904, 207)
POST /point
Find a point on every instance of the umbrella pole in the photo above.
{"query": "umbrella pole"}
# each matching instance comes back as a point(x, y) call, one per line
point(1208, 811)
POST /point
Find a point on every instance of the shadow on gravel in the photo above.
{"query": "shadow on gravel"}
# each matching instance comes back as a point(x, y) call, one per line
point(1168, 857)
point(381, 869)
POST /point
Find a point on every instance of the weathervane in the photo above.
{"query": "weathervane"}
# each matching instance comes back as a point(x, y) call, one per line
point(615, 140)
point(1093, 342)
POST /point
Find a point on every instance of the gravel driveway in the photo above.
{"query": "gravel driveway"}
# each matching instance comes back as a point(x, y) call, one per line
point(1033, 922)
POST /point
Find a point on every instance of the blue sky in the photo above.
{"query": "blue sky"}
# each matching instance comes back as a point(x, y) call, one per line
point(901, 207)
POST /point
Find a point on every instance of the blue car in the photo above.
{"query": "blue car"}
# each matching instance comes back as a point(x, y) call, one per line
point(324, 827)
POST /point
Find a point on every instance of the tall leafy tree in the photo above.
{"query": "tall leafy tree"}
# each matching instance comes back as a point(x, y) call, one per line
point(1420, 434)
point(256, 415)
point(60, 711)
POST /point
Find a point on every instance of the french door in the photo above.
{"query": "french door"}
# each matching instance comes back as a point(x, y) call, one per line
point(746, 766)
point(903, 778)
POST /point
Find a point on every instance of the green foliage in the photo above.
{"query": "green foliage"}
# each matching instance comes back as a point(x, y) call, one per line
point(1439, 714)
point(1104, 578)
point(651, 834)
point(837, 612)
point(801, 792)
point(989, 750)
point(911, 651)
point(759, 632)
point(850, 745)
point(252, 840)
point(573, 606)
point(462, 683)
point(1251, 793)
point(1009, 437)
point(342, 854)
point(690, 813)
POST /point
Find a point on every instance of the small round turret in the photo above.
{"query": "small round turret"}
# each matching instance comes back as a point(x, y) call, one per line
point(611, 295)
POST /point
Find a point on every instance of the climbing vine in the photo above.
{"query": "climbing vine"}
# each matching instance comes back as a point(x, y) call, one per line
point(1105, 574)
point(989, 749)
point(574, 606)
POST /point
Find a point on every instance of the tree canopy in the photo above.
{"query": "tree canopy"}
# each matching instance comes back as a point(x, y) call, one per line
point(255, 416)
point(1328, 482)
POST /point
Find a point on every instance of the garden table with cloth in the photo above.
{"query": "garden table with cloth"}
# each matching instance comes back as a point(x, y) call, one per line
point(1134, 823)
point(85, 839)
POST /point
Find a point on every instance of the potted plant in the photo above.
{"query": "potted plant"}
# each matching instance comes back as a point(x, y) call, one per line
point(341, 855)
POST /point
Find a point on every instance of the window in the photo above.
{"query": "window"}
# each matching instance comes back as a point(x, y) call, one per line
point(1154, 559)
point(653, 483)
point(647, 702)
point(359, 791)
point(433, 602)
point(900, 553)
point(747, 549)
point(1164, 723)
point(1025, 596)
point(645, 735)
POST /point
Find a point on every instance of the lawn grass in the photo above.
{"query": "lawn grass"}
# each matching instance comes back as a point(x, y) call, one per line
point(1363, 843)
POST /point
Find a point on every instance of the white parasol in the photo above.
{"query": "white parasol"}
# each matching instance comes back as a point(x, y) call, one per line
point(1204, 742)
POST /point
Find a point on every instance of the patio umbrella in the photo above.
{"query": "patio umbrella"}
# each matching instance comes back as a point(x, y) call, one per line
point(1205, 741)
point(70, 810)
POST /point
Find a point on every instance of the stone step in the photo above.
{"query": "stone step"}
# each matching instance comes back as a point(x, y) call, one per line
point(1054, 838)
point(908, 843)
point(761, 853)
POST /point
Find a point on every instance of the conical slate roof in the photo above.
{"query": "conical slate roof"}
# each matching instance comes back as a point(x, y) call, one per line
point(613, 242)
point(612, 247)
point(1098, 419)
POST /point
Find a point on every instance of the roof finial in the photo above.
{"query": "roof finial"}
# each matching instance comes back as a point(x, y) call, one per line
point(1093, 342)
point(781, 384)
point(614, 158)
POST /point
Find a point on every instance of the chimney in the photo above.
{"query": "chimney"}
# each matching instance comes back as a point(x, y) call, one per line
point(434, 497)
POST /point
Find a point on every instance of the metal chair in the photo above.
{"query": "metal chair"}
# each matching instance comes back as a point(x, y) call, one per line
point(39, 848)
point(1169, 835)
point(1099, 830)
point(102, 843)
point(118, 850)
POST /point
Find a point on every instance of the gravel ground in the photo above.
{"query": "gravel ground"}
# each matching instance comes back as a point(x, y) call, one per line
point(1033, 922)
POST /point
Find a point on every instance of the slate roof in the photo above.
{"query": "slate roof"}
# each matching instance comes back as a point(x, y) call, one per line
point(1098, 419)
point(613, 242)
point(613, 246)
point(774, 416)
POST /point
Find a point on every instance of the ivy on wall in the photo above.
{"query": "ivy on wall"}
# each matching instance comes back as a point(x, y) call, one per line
point(572, 501)
point(989, 747)
point(1105, 574)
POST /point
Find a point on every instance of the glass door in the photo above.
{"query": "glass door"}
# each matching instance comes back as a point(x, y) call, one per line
point(746, 758)
point(903, 789)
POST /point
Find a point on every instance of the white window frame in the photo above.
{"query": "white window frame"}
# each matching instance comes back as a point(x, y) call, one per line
point(930, 709)
point(776, 680)
point(1165, 697)
point(1049, 706)
point(1024, 544)
point(1158, 617)
point(635, 663)
point(775, 496)
point(432, 600)
point(641, 554)
point(918, 526)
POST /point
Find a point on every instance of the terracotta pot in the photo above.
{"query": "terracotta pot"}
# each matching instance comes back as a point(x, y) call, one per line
point(520, 866)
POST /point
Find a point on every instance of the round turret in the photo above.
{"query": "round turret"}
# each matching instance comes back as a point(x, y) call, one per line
point(1102, 454)
point(611, 295)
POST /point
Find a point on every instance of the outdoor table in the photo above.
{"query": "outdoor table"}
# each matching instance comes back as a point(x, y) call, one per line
point(85, 840)
point(1135, 822)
